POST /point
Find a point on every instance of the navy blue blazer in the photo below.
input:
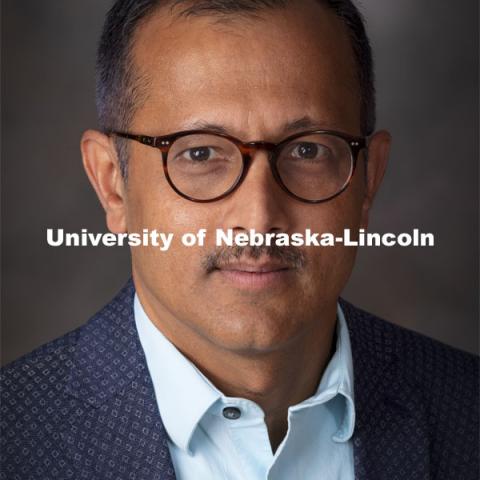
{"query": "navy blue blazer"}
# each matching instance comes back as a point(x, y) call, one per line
point(83, 406)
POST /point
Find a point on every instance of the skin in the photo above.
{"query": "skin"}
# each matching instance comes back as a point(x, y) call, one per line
point(266, 340)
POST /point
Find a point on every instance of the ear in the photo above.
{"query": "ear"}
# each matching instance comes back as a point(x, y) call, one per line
point(378, 151)
point(101, 165)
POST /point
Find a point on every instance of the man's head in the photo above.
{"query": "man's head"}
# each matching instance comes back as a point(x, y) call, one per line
point(257, 70)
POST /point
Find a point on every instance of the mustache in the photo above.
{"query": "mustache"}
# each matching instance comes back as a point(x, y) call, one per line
point(291, 257)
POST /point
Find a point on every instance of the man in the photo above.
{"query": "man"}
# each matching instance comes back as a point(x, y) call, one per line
point(240, 362)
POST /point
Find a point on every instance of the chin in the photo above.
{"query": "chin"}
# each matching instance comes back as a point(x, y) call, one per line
point(254, 331)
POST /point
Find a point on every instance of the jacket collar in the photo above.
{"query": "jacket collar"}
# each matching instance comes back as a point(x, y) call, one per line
point(391, 433)
point(113, 409)
point(108, 357)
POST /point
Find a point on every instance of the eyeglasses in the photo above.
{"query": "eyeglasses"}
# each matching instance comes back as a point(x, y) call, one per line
point(204, 166)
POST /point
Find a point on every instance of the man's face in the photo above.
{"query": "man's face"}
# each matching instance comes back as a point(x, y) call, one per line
point(253, 78)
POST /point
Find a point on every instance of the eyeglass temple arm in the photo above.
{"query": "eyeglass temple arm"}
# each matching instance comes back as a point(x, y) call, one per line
point(151, 141)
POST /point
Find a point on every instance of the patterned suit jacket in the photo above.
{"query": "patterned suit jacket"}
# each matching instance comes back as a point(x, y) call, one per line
point(83, 406)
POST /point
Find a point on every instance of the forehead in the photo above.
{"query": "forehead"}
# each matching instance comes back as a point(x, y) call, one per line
point(295, 61)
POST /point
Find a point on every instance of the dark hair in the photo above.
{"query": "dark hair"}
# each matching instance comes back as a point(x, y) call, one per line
point(121, 89)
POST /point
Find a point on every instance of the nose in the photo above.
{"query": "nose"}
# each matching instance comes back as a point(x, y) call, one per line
point(258, 203)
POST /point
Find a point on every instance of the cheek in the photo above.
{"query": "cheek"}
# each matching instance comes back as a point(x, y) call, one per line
point(331, 266)
point(153, 205)
point(333, 216)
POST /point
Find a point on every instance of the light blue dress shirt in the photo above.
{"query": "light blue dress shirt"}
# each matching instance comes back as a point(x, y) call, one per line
point(205, 445)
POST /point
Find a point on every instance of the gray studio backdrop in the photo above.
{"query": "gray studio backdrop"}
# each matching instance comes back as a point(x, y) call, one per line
point(426, 56)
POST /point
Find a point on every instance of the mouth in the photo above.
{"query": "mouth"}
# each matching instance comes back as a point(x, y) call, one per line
point(254, 275)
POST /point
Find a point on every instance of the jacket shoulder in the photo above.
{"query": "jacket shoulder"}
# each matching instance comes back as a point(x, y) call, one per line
point(46, 365)
point(35, 409)
point(34, 378)
point(445, 379)
point(419, 357)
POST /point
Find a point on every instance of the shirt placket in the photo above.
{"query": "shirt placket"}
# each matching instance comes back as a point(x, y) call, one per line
point(249, 436)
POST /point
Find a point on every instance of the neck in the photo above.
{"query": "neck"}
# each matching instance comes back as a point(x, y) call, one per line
point(275, 379)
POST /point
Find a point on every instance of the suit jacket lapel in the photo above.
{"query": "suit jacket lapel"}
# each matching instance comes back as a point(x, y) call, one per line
point(391, 433)
point(115, 430)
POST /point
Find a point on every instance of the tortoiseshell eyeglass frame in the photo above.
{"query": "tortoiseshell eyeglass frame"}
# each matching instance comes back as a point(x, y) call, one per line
point(247, 150)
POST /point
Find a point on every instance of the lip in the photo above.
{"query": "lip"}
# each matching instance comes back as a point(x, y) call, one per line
point(254, 276)
point(246, 267)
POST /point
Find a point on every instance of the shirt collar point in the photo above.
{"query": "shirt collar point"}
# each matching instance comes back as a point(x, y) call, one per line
point(341, 437)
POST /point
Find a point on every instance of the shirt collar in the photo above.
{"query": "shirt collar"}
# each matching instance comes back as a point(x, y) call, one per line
point(184, 394)
point(337, 379)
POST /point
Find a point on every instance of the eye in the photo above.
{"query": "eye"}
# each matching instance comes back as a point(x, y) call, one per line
point(199, 154)
point(309, 151)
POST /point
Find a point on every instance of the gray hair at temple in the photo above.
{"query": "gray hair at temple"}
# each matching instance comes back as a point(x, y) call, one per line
point(120, 89)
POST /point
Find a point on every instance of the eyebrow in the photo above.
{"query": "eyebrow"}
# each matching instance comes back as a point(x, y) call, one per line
point(289, 127)
point(303, 123)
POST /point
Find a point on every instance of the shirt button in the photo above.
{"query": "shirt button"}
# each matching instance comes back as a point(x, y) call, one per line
point(232, 413)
